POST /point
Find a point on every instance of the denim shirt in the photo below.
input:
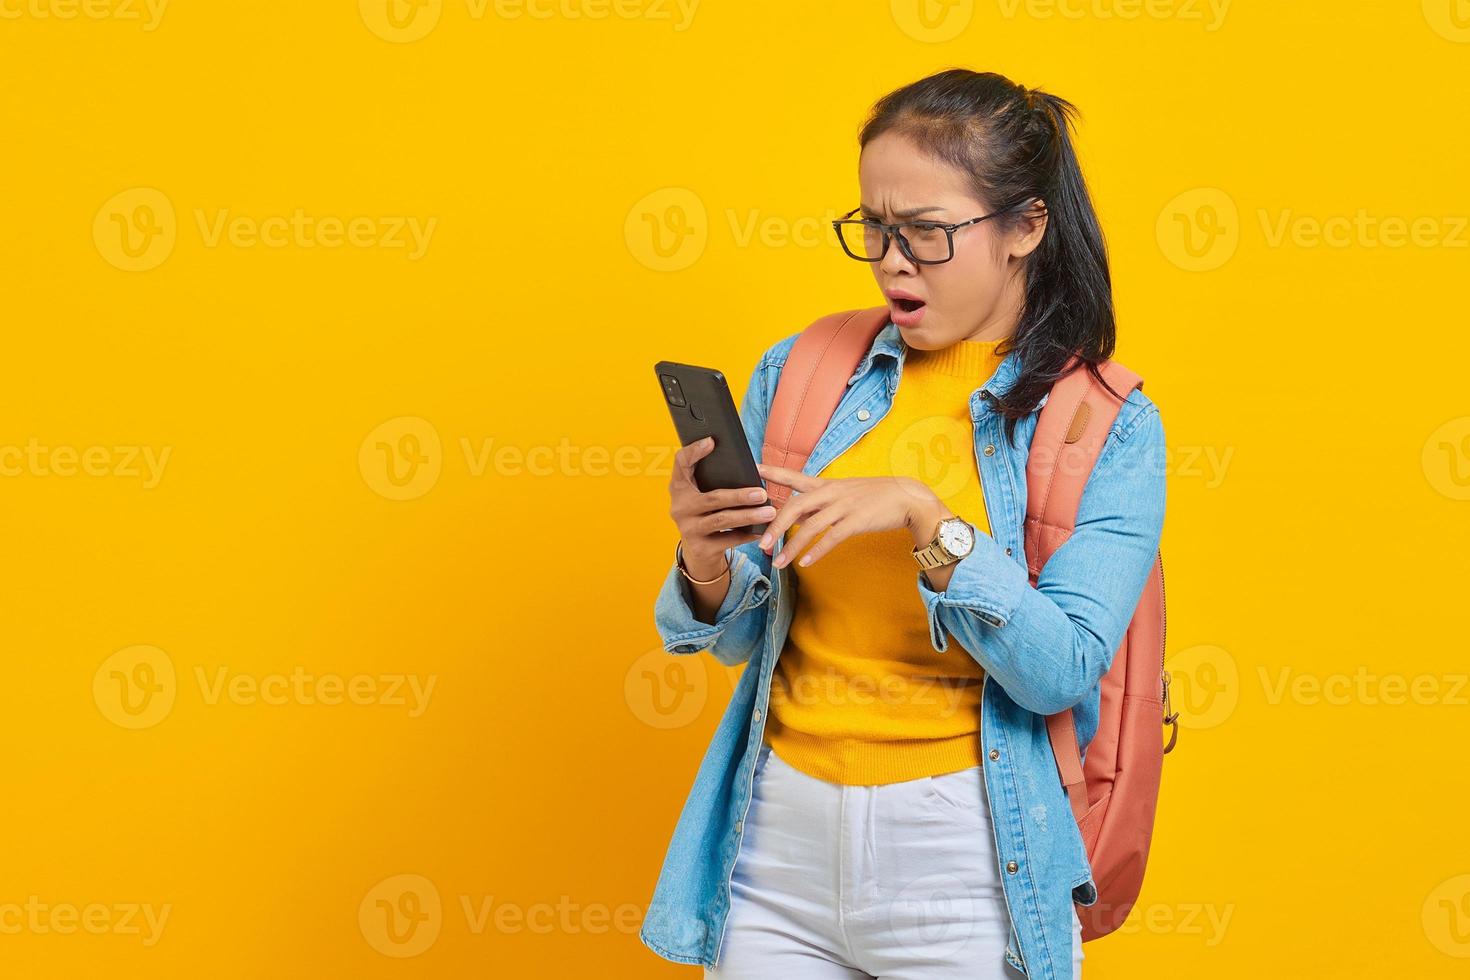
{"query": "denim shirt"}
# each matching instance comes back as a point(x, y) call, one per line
point(1046, 649)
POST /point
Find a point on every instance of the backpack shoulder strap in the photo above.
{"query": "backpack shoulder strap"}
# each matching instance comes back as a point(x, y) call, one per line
point(1069, 437)
point(812, 382)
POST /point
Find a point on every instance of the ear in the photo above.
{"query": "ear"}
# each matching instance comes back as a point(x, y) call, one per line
point(1028, 230)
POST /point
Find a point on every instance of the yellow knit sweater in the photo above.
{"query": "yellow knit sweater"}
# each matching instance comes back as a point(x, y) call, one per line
point(859, 696)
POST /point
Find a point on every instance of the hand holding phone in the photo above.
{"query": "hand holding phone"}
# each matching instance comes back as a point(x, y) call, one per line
point(717, 497)
point(710, 521)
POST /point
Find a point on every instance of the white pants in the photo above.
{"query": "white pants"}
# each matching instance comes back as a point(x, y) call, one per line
point(897, 881)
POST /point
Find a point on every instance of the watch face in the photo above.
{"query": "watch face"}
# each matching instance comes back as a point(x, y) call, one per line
point(956, 537)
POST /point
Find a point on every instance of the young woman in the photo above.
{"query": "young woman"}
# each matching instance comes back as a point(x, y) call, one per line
point(871, 805)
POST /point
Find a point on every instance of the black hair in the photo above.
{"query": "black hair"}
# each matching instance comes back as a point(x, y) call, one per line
point(1014, 145)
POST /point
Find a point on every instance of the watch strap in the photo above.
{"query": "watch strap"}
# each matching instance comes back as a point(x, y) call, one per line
point(932, 556)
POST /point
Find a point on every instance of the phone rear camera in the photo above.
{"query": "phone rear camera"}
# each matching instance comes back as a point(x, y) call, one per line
point(672, 391)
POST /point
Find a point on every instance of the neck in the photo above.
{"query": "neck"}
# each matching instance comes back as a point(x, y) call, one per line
point(1007, 314)
point(994, 329)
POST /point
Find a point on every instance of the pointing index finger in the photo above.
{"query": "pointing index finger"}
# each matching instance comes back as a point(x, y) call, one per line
point(795, 479)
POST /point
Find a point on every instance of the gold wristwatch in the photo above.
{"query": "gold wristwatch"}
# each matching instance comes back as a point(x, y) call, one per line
point(953, 539)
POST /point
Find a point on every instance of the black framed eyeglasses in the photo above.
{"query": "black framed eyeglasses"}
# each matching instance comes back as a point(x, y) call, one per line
point(922, 242)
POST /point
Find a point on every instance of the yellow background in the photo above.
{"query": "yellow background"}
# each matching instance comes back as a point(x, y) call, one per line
point(1312, 390)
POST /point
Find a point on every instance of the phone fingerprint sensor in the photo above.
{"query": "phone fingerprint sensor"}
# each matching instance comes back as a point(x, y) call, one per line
point(694, 410)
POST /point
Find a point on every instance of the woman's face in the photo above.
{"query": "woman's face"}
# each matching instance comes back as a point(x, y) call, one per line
point(974, 296)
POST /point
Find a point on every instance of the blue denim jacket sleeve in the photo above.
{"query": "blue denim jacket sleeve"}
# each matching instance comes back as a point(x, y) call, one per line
point(739, 622)
point(1048, 646)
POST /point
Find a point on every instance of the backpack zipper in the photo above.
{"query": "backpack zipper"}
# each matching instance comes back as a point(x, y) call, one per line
point(1171, 717)
point(1164, 609)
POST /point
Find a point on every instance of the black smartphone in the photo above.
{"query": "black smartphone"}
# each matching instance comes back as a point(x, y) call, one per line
point(701, 404)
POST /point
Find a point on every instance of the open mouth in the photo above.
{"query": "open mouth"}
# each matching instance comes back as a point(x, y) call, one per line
point(908, 305)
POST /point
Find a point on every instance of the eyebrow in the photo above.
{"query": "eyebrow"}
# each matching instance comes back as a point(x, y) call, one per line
point(906, 213)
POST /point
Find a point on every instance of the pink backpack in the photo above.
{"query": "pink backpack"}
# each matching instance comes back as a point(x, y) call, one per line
point(1113, 796)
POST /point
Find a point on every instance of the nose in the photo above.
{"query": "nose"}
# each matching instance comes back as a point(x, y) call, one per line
point(894, 261)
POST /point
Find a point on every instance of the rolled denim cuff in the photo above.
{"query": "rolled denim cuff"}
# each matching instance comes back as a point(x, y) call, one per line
point(986, 583)
point(674, 615)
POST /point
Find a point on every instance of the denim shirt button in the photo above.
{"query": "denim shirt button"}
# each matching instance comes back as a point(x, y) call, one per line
point(757, 715)
point(1012, 867)
point(1008, 550)
point(990, 449)
point(994, 754)
point(863, 415)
